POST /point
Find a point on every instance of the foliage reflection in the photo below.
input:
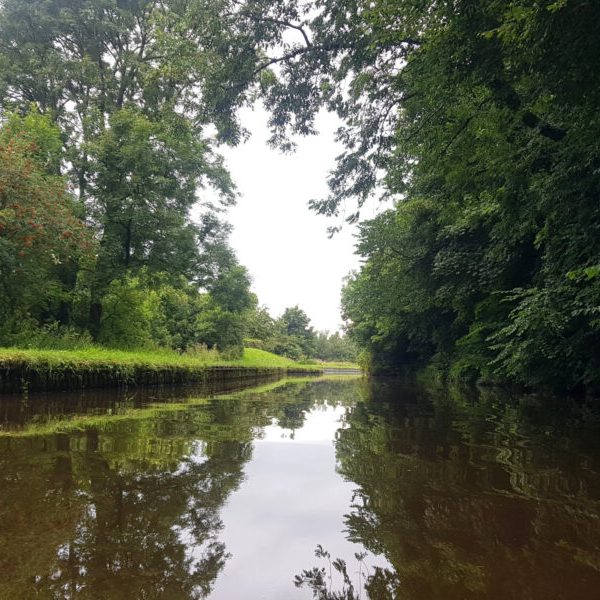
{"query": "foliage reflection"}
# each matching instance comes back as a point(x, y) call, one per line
point(474, 496)
point(130, 507)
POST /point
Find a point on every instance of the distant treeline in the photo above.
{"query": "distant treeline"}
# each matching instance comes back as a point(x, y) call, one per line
point(291, 335)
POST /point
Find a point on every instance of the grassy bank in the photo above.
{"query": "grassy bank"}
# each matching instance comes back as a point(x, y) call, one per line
point(100, 367)
point(341, 365)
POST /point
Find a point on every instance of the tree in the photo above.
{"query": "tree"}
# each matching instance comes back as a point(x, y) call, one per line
point(42, 240)
point(261, 326)
point(472, 118)
point(132, 87)
point(298, 335)
point(222, 320)
point(333, 347)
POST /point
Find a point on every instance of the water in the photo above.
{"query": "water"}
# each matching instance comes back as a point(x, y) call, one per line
point(181, 494)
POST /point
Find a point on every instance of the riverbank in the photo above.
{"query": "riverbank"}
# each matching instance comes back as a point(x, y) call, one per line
point(53, 370)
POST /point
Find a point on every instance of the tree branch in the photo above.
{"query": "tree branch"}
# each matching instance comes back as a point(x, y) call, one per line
point(281, 22)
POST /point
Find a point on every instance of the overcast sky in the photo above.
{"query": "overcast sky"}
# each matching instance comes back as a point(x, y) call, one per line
point(283, 244)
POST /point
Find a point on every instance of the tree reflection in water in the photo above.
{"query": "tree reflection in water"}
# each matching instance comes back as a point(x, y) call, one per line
point(130, 508)
point(126, 513)
point(470, 496)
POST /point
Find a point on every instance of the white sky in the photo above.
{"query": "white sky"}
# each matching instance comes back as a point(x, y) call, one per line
point(287, 503)
point(283, 244)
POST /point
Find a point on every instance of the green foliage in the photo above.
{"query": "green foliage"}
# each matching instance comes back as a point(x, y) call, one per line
point(130, 99)
point(38, 134)
point(152, 310)
point(53, 336)
point(334, 347)
point(222, 317)
point(550, 327)
point(296, 337)
point(261, 326)
point(292, 335)
point(481, 121)
point(128, 310)
point(286, 345)
point(42, 241)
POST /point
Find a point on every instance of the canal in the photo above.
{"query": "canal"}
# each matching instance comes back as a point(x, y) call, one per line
point(329, 488)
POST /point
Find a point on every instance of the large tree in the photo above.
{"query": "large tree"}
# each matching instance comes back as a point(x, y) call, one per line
point(480, 121)
point(42, 239)
point(137, 89)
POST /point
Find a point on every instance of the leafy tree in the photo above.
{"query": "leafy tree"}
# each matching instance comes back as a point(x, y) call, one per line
point(42, 240)
point(480, 121)
point(150, 310)
point(223, 316)
point(296, 335)
point(261, 326)
point(333, 347)
point(132, 87)
point(294, 321)
point(129, 309)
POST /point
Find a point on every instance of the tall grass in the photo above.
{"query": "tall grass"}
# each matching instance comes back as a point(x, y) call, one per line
point(34, 369)
point(332, 364)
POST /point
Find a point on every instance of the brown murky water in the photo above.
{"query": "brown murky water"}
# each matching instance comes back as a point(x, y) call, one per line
point(409, 493)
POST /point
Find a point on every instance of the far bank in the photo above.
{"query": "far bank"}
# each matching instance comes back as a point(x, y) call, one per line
point(23, 370)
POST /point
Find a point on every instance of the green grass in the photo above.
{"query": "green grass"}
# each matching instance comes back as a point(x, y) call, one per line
point(324, 364)
point(160, 358)
point(94, 366)
point(253, 357)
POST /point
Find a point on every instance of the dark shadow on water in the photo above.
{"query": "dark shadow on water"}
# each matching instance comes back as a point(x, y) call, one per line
point(18, 410)
point(471, 495)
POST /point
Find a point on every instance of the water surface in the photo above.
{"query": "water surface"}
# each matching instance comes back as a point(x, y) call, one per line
point(423, 494)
